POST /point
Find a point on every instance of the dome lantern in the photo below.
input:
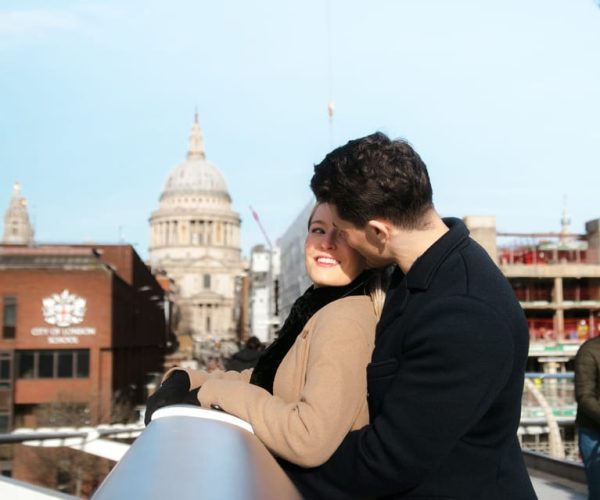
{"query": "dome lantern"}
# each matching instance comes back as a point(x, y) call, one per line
point(196, 142)
point(196, 175)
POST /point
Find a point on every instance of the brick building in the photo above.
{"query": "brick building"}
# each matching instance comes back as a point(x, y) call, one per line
point(83, 324)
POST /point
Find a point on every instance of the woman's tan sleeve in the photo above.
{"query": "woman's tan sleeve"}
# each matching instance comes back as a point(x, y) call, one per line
point(198, 377)
point(308, 431)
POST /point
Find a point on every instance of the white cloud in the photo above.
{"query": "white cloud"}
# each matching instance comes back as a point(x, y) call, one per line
point(35, 22)
point(26, 27)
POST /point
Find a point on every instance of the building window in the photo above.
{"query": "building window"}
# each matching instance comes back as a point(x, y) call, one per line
point(82, 368)
point(63, 363)
point(25, 362)
point(4, 419)
point(46, 364)
point(206, 281)
point(5, 370)
point(9, 317)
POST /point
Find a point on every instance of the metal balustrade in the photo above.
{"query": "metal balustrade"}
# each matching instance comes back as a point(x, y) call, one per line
point(188, 452)
point(549, 403)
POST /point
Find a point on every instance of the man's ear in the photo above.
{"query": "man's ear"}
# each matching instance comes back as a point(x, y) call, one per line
point(379, 229)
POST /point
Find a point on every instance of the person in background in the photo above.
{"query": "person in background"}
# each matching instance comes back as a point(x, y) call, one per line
point(309, 387)
point(247, 357)
point(587, 395)
point(214, 364)
point(446, 376)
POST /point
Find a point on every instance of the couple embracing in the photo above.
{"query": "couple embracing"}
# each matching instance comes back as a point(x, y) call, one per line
point(401, 384)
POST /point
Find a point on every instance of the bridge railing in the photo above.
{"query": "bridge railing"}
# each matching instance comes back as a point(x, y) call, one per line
point(188, 452)
point(549, 407)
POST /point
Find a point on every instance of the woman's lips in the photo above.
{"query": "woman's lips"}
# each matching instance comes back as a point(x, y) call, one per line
point(326, 261)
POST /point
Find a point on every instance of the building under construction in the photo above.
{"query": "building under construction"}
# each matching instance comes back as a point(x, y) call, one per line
point(556, 277)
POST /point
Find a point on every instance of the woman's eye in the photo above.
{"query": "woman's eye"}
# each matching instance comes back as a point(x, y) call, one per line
point(317, 230)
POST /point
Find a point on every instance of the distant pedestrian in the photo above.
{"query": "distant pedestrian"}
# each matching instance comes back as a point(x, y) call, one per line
point(213, 364)
point(247, 357)
point(587, 394)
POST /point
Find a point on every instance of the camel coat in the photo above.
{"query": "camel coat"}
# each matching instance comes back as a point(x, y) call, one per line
point(319, 391)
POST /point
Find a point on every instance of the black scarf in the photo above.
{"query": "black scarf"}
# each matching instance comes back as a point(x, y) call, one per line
point(308, 304)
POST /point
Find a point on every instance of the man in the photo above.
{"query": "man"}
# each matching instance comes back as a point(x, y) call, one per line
point(587, 393)
point(446, 376)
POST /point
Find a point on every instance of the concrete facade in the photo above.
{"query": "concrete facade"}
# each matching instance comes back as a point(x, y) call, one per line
point(294, 280)
point(263, 294)
point(556, 277)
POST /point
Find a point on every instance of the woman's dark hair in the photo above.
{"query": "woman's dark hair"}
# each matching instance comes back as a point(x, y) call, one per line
point(312, 214)
point(374, 177)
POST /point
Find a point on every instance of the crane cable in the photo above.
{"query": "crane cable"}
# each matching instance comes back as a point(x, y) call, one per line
point(331, 103)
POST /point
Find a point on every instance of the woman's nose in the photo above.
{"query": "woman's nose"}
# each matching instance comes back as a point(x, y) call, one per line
point(329, 240)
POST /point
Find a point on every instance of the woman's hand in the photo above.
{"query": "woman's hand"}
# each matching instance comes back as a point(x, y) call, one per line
point(173, 391)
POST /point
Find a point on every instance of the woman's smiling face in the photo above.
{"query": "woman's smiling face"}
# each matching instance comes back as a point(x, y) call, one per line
point(328, 259)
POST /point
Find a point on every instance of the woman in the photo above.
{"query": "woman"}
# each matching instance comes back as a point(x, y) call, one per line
point(309, 387)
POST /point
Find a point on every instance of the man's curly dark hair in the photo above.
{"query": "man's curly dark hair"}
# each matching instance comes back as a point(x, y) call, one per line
point(374, 177)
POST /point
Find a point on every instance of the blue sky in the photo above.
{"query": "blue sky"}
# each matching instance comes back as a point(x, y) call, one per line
point(501, 99)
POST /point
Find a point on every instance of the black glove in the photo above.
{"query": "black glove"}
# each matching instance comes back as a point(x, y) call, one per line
point(191, 398)
point(172, 391)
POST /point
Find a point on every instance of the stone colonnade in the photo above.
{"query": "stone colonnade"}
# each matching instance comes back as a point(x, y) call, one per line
point(196, 232)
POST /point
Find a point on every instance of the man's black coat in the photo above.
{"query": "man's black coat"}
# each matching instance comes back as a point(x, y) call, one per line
point(445, 386)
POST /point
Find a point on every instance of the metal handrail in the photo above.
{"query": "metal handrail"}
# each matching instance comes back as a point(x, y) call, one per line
point(565, 469)
point(193, 453)
point(25, 435)
point(558, 375)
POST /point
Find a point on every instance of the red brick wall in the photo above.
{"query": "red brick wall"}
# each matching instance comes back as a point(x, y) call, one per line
point(30, 287)
point(130, 332)
point(123, 308)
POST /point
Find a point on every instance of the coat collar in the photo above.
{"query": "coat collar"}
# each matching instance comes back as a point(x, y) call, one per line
point(422, 272)
point(425, 267)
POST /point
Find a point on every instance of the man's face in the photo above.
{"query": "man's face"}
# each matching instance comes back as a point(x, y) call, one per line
point(364, 241)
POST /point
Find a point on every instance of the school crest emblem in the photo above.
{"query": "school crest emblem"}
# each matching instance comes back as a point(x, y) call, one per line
point(63, 309)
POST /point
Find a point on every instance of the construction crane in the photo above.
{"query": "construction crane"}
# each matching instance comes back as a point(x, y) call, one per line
point(257, 219)
point(270, 283)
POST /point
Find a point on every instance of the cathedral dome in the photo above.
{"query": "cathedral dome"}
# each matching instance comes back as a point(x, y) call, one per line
point(196, 175)
point(195, 240)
